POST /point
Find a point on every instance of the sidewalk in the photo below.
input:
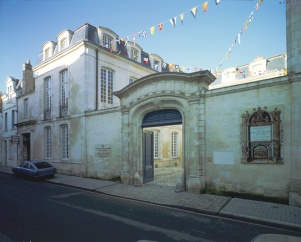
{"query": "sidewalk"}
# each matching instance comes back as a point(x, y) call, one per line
point(242, 209)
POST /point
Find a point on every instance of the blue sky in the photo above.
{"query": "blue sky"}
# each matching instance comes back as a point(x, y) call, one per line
point(202, 42)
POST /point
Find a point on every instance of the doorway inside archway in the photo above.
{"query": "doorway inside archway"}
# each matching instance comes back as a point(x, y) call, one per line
point(162, 148)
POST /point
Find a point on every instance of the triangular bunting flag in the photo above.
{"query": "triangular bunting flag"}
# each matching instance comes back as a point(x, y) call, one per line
point(152, 30)
point(251, 17)
point(217, 1)
point(205, 6)
point(246, 24)
point(134, 38)
point(173, 21)
point(160, 26)
point(194, 11)
point(182, 17)
point(144, 33)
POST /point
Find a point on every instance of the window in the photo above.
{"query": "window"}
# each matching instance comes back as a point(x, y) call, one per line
point(131, 80)
point(64, 93)
point(13, 119)
point(106, 88)
point(47, 98)
point(63, 44)
point(107, 41)
point(174, 144)
point(48, 142)
point(64, 141)
point(26, 108)
point(156, 144)
point(134, 54)
point(5, 121)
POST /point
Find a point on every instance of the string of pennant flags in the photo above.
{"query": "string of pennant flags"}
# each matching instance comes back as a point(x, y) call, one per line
point(173, 21)
point(237, 38)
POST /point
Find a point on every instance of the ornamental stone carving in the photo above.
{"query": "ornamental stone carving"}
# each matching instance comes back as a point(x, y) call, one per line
point(261, 136)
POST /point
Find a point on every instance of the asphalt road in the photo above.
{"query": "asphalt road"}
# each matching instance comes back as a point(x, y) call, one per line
point(39, 211)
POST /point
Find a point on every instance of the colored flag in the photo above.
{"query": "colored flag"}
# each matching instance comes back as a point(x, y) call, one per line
point(238, 38)
point(193, 11)
point(152, 30)
point(205, 6)
point(182, 17)
point(260, 1)
point(251, 17)
point(189, 69)
point(134, 38)
point(217, 1)
point(164, 64)
point(144, 33)
point(170, 66)
point(160, 26)
point(177, 66)
point(246, 24)
point(173, 21)
point(256, 6)
point(145, 60)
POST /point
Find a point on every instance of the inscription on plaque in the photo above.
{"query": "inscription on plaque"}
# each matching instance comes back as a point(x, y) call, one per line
point(260, 133)
point(103, 151)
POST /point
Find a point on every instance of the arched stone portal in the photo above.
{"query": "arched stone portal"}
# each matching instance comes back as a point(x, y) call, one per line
point(179, 91)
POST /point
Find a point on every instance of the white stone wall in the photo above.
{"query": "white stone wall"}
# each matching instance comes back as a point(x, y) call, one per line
point(223, 150)
point(103, 134)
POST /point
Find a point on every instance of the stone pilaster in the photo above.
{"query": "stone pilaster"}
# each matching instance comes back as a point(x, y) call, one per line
point(293, 42)
point(125, 170)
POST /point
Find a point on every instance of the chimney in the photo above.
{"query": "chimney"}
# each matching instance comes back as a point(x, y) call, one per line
point(28, 80)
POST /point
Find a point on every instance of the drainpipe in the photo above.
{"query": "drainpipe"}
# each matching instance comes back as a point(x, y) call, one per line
point(96, 81)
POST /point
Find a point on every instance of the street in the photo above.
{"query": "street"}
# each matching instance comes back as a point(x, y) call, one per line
point(39, 211)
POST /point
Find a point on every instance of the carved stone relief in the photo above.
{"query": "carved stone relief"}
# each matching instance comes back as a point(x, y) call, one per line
point(261, 136)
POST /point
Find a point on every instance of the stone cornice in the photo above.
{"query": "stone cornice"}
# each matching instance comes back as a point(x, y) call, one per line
point(202, 78)
point(283, 80)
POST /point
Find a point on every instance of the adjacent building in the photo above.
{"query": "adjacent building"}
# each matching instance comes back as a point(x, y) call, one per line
point(9, 128)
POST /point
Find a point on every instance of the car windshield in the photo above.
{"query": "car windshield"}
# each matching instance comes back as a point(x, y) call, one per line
point(42, 164)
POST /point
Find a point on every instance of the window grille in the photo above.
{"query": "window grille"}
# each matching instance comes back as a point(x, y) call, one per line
point(64, 141)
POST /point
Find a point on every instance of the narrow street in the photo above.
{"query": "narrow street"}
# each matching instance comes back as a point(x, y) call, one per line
point(38, 211)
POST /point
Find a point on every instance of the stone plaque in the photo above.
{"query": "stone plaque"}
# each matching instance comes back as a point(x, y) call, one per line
point(260, 133)
point(103, 151)
point(223, 157)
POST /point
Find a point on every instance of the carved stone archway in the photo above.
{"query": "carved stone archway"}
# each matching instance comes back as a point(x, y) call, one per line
point(179, 91)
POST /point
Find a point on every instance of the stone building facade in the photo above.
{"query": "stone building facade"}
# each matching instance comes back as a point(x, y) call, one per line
point(89, 103)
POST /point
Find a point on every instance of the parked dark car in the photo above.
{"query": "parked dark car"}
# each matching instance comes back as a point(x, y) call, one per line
point(34, 169)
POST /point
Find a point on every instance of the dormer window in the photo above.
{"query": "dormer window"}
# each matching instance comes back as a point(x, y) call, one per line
point(134, 54)
point(156, 65)
point(63, 44)
point(47, 53)
point(48, 49)
point(107, 41)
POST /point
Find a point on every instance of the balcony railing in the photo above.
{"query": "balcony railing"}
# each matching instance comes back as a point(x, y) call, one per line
point(64, 110)
point(47, 113)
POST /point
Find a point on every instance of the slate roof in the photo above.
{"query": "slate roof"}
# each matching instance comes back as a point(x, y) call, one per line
point(89, 33)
